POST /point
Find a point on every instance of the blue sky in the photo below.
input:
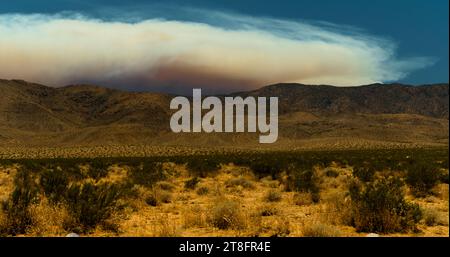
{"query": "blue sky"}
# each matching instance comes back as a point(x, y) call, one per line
point(417, 28)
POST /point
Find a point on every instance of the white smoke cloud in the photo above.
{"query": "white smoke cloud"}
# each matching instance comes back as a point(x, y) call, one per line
point(223, 52)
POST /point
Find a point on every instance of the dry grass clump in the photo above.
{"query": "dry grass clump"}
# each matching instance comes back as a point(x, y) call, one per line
point(171, 170)
point(203, 190)
point(269, 182)
point(302, 199)
point(338, 210)
point(7, 175)
point(317, 229)
point(45, 219)
point(194, 216)
point(268, 210)
point(191, 183)
point(441, 191)
point(114, 175)
point(227, 214)
point(165, 197)
point(165, 227)
point(273, 196)
point(48, 219)
point(281, 227)
point(157, 197)
point(164, 185)
point(432, 217)
point(240, 181)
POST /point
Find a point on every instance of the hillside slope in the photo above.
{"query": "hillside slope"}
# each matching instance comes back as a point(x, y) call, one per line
point(310, 117)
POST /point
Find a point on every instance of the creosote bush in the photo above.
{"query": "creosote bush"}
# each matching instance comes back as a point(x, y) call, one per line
point(201, 167)
point(16, 209)
point(147, 173)
point(303, 180)
point(90, 204)
point(54, 183)
point(422, 178)
point(380, 206)
point(364, 173)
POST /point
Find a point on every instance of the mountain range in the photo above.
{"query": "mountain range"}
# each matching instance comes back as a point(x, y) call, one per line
point(311, 116)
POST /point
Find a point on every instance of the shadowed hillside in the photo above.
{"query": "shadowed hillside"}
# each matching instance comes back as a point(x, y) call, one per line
point(310, 117)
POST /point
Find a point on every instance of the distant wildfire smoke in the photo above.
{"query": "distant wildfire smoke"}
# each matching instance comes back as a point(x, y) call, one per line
point(238, 54)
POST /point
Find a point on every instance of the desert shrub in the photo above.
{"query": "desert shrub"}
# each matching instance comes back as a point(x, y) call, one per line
point(166, 227)
point(18, 217)
point(240, 181)
point(191, 183)
point(444, 176)
point(16, 208)
point(164, 185)
point(226, 214)
point(338, 211)
point(54, 183)
point(302, 199)
point(202, 166)
point(147, 173)
point(364, 173)
point(303, 180)
point(268, 210)
point(202, 190)
point(380, 206)
point(317, 229)
point(98, 168)
point(158, 196)
point(267, 167)
point(422, 178)
point(194, 216)
point(48, 218)
point(273, 196)
point(281, 228)
point(90, 204)
point(70, 169)
point(268, 182)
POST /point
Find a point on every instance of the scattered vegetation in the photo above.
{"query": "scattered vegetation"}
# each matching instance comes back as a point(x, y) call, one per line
point(365, 191)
